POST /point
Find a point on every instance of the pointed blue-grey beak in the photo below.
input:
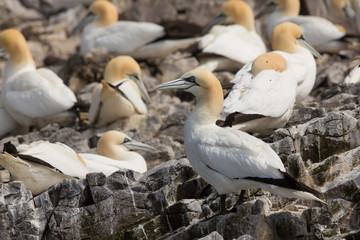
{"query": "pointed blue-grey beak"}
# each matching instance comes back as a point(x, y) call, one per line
point(137, 146)
point(267, 8)
point(218, 20)
point(306, 45)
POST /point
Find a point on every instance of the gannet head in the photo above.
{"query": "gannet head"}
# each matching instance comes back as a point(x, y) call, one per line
point(125, 67)
point(102, 13)
point(268, 60)
point(206, 88)
point(343, 7)
point(288, 37)
point(116, 138)
point(14, 43)
point(286, 8)
point(234, 11)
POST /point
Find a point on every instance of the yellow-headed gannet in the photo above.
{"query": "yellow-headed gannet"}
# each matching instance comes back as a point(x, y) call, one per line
point(28, 93)
point(42, 164)
point(288, 40)
point(319, 32)
point(264, 98)
point(103, 30)
point(234, 45)
point(120, 94)
point(229, 159)
point(114, 149)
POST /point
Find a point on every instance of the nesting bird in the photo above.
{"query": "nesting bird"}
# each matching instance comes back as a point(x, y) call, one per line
point(264, 97)
point(354, 75)
point(42, 164)
point(115, 151)
point(103, 30)
point(233, 45)
point(30, 94)
point(121, 93)
point(322, 34)
point(229, 159)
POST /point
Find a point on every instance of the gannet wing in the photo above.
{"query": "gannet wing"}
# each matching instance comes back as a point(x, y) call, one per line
point(126, 36)
point(237, 155)
point(39, 94)
point(317, 30)
point(130, 92)
point(270, 93)
point(234, 42)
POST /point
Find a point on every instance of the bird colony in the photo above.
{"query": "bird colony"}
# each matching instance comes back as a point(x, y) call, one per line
point(165, 120)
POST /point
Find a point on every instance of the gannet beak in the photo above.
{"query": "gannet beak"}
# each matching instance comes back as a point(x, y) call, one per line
point(85, 21)
point(218, 20)
point(137, 146)
point(349, 12)
point(3, 53)
point(267, 8)
point(141, 86)
point(306, 45)
point(181, 83)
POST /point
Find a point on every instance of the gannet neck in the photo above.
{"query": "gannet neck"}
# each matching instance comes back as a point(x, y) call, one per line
point(209, 97)
point(240, 12)
point(118, 68)
point(14, 42)
point(105, 11)
point(284, 36)
point(288, 8)
point(269, 60)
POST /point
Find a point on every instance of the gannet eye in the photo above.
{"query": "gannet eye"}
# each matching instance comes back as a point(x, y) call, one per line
point(192, 79)
point(126, 140)
point(301, 37)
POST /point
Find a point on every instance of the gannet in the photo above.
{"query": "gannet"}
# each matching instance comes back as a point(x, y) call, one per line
point(319, 32)
point(103, 30)
point(7, 123)
point(229, 159)
point(114, 149)
point(234, 45)
point(42, 164)
point(288, 40)
point(29, 93)
point(343, 8)
point(120, 93)
point(264, 98)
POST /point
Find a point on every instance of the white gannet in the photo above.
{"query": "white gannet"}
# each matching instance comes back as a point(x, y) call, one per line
point(120, 94)
point(322, 34)
point(42, 164)
point(264, 98)
point(233, 45)
point(7, 123)
point(288, 40)
point(354, 75)
point(114, 149)
point(103, 30)
point(28, 93)
point(229, 159)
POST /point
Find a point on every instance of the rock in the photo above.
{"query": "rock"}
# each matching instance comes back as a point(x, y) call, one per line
point(345, 186)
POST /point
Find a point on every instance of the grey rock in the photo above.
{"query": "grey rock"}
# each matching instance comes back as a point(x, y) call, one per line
point(245, 237)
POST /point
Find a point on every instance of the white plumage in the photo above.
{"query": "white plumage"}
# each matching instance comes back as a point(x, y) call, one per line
point(8, 124)
point(28, 93)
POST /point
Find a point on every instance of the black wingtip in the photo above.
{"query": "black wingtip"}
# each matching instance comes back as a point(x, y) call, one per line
point(9, 148)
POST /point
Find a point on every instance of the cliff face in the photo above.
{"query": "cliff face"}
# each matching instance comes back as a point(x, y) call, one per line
point(319, 146)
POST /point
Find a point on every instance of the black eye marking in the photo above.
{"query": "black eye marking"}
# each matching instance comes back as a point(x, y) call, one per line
point(126, 140)
point(301, 37)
